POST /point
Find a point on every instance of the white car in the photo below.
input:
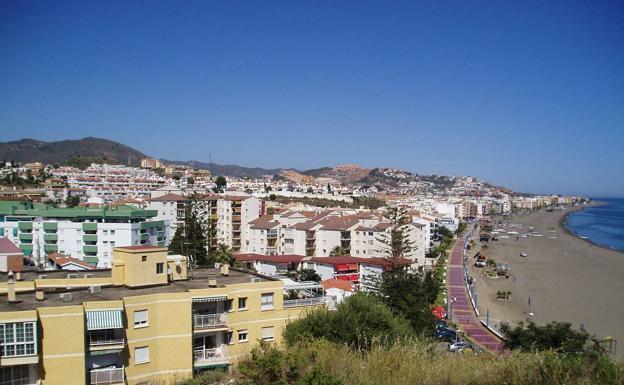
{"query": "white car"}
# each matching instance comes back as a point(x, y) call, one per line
point(458, 346)
point(523, 254)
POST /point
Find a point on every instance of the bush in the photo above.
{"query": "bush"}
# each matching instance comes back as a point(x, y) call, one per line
point(359, 322)
point(557, 336)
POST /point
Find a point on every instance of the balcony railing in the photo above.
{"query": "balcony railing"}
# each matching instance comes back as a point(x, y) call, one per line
point(107, 376)
point(106, 338)
point(304, 302)
point(209, 321)
point(206, 356)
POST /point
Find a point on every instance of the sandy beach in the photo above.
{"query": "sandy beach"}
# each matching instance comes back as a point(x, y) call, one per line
point(567, 278)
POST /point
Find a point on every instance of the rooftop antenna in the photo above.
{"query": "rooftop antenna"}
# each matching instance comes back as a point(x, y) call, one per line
point(211, 168)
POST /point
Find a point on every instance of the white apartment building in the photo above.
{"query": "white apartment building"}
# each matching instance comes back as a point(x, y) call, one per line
point(317, 234)
point(85, 233)
point(226, 218)
point(170, 208)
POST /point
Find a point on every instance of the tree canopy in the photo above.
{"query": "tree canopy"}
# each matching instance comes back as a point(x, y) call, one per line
point(359, 322)
point(558, 336)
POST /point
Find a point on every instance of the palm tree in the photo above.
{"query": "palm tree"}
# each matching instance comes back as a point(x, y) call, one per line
point(337, 251)
point(224, 254)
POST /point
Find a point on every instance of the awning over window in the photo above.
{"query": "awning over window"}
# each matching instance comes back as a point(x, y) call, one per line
point(210, 299)
point(104, 319)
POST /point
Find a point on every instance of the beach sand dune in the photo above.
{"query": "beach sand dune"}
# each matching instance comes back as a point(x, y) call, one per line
point(567, 279)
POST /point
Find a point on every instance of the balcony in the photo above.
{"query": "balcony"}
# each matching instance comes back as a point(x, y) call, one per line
point(209, 357)
point(209, 321)
point(89, 238)
point(271, 234)
point(90, 249)
point(50, 238)
point(304, 302)
point(50, 248)
point(107, 376)
point(106, 339)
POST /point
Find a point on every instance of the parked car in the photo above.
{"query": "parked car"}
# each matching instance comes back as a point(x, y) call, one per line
point(446, 336)
point(480, 264)
point(523, 254)
point(458, 346)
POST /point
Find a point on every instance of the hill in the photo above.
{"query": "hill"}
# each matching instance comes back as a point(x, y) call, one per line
point(228, 169)
point(70, 151)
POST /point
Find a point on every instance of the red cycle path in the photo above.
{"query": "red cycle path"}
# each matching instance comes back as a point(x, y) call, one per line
point(462, 312)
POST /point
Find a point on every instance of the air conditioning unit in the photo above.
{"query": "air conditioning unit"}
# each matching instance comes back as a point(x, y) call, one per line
point(42, 276)
point(72, 276)
point(256, 280)
point(65, 297)
point(95, 289)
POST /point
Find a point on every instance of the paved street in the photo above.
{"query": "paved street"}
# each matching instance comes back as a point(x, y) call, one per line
point(462, 310)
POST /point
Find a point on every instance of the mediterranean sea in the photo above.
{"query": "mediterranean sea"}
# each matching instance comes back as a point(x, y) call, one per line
point(603, 225)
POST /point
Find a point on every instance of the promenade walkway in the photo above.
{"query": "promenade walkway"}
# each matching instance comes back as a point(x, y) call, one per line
point(462, 311)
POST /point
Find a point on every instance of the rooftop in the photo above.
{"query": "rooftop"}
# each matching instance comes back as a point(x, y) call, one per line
point(120, 211)
point(8, 247)
point(283, 258)
point(27, 301)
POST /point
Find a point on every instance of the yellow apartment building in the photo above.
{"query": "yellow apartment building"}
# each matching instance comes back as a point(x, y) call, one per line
point(148, 320)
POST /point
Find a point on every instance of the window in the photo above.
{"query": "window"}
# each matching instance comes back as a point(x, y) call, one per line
point(144, 258)
point(112, 232)
point(267, 301)
point(141, 355)
point(242, 303)
point(267, 333)
point(160, 268)
point(227, 336)
point(140, 319)
point(242, 335)
point(17, 339)
point(228, 305)
point(14, 375)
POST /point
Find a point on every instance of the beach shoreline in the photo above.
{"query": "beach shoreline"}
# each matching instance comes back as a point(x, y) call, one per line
point(563, 278)
point(565, 228)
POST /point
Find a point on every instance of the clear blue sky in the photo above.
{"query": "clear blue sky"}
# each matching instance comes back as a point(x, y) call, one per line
point(525, 94)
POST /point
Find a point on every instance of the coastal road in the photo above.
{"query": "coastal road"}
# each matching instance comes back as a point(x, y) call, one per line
point(462, 312)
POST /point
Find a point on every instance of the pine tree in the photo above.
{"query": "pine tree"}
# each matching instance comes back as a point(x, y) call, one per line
point(189, 238)
point(396, 242)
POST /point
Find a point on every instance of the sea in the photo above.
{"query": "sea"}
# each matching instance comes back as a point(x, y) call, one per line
point(603, 225)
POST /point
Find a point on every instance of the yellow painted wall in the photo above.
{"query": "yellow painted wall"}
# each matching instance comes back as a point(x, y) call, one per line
point(62, 345)
point(136, 271)
point(169, 333)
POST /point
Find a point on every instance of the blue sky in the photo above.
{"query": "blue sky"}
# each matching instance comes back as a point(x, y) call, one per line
point(525, 94)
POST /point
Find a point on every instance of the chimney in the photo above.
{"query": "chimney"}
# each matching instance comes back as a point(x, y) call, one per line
point(11, 288)
point(39, 295)
point(225, 270)
point(212, 281)
point(18, 276)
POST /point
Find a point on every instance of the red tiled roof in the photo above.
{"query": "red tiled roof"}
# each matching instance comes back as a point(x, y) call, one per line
point(63, 260)
point(338, 284)
point(284, 258)
point(339, 223)
point(263, 222)
point(336, 260)
point(169, 197)
point(8, 247)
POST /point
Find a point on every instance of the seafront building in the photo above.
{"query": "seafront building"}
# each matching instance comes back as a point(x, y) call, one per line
point(318, 233)
point(86, 233)
point(147, 320)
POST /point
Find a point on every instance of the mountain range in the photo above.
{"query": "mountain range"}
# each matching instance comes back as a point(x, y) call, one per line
point(82, 152)
point(98, 150)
